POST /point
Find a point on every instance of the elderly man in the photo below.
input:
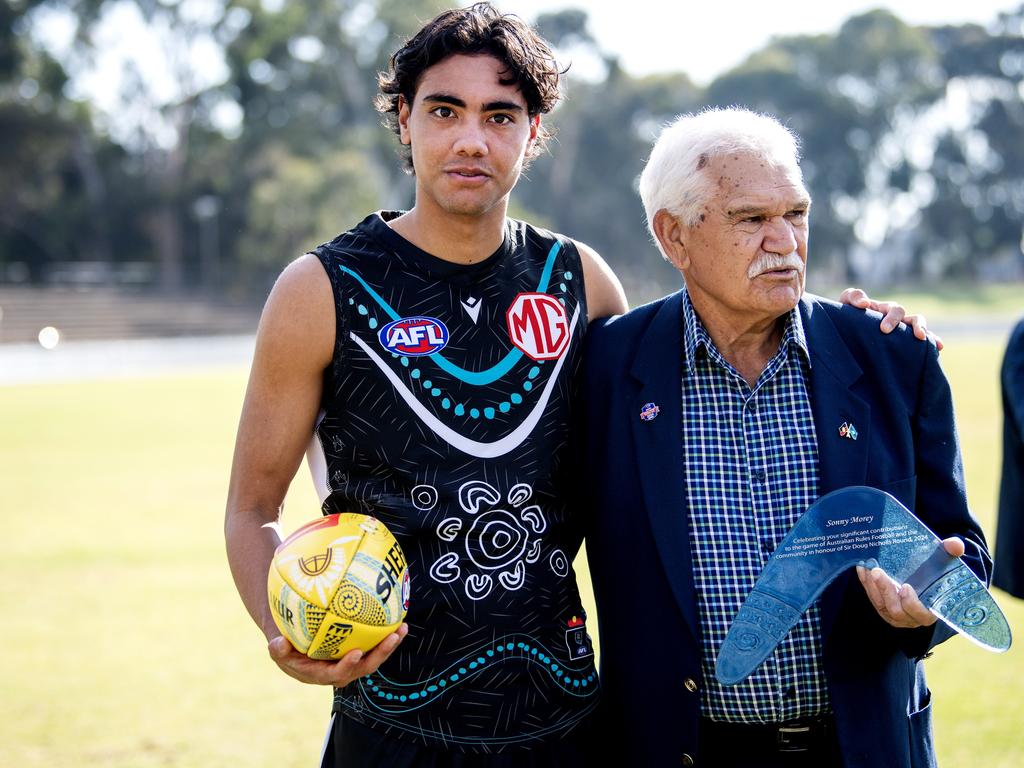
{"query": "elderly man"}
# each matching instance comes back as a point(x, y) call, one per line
point(714, 418)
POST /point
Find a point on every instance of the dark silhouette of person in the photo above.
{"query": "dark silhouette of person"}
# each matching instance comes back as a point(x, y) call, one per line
point(1009, 556)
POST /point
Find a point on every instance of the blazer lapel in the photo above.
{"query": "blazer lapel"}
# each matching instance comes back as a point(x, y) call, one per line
point(842, 458)
point(657, 369)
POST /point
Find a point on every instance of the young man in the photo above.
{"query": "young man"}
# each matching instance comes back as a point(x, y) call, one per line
point(429, 354)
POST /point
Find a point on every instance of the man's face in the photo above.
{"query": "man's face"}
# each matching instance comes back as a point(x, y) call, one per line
point(748, 251)
point(468, 134)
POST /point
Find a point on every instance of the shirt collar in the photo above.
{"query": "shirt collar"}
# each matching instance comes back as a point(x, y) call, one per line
point(696, 336)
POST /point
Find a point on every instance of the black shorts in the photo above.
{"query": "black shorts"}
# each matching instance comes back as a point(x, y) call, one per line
point(353, 745)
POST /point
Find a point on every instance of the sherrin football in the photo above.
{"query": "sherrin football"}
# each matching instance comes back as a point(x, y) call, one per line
point(338, 583)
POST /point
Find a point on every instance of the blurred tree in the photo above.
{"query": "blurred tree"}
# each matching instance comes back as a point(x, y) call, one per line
point(117, 193)
point(53, 191)
point(301, 201)
point(566, 29)
point(845, 95)
point(304, 77)
point(265, 142)
point(586, 185)
point(299, 77)
point(973, 226)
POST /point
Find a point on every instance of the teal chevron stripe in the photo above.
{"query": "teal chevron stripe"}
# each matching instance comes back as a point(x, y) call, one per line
point(476, 378)
point(374, 295)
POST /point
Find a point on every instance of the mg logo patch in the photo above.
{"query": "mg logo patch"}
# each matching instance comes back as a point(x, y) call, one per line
point(538, 325)
point(414, 336)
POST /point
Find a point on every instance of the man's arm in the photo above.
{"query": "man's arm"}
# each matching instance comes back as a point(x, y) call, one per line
point(605, 296)
point(294, 345)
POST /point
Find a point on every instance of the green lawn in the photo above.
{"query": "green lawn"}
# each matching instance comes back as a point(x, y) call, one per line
point(989, 301)
point(125, 645)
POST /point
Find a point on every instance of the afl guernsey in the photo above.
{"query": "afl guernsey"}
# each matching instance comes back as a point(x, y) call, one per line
point(445, 415)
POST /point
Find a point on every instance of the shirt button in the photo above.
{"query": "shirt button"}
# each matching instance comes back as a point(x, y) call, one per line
point(690, 685)
point(752, 405)
point(759, 475)
point(766, 547)
point(686, 759)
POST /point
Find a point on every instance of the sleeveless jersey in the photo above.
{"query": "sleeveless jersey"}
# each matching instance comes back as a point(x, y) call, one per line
point(445, 415)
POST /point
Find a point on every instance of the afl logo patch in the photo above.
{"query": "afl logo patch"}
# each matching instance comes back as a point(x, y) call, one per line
point(649, 412)
point(538, 325)
point(414, 336)
point(405, 592)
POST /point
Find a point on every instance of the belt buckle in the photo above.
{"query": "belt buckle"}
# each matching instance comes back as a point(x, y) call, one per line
point(793, 738)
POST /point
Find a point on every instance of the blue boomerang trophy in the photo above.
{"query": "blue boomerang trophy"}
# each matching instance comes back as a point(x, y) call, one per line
point(848, 527)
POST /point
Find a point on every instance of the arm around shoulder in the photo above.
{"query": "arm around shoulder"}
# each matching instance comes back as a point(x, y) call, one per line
point(605, 296)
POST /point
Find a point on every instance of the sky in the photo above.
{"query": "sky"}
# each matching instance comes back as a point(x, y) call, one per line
point(706, 39)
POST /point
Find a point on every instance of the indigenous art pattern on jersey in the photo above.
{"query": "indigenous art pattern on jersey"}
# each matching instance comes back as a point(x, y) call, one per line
point(445, 415)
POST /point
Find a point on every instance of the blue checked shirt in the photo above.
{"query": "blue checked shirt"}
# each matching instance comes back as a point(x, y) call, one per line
point(751, 460)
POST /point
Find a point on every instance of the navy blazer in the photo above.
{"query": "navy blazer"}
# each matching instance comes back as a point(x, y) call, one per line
point(892, 389)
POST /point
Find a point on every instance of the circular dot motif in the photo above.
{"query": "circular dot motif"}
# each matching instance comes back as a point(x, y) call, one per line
point(424, 497)
point(496, 540)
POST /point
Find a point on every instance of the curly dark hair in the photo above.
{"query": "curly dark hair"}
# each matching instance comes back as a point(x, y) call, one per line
point(478, 29)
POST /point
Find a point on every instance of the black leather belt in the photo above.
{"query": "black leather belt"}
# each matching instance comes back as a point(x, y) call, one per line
point(793, 736)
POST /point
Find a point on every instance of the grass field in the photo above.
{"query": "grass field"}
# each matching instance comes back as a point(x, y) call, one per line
point(125, 644)
point(982, 301)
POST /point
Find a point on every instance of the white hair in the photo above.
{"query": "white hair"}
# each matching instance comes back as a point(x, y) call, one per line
point(673, 178)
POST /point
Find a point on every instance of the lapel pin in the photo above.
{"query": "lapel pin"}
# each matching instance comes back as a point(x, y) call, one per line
point(649, 412)
point(848, 431)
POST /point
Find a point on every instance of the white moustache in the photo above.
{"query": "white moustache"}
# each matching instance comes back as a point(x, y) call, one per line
point(773, 261)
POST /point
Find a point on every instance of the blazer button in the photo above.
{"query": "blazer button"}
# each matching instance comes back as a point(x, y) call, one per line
point(686, 759)
point(690, 685)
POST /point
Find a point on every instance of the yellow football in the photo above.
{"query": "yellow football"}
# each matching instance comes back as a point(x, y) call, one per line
point(338, 583)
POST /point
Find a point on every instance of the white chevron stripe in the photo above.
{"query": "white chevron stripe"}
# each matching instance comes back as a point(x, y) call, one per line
point(473, 447)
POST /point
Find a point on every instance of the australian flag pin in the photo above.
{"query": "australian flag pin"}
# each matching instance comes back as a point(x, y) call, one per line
point(848, 431)
point(649, 412)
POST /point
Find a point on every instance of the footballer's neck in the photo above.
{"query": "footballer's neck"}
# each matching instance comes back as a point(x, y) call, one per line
point(460, 238)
